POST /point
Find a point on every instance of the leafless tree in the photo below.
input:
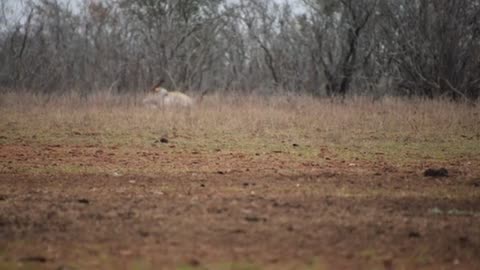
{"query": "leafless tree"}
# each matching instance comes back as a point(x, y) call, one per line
point(338, 31)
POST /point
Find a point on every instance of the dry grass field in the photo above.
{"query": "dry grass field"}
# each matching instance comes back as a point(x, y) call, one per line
point(238, 182)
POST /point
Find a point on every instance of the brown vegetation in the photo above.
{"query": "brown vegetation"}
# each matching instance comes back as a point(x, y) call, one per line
point(238, 182)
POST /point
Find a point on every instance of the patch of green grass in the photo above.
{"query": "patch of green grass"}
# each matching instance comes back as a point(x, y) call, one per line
point(405, 152)
point(52, 170)
point(223, 266)
point(141, 265)
point(18, 266)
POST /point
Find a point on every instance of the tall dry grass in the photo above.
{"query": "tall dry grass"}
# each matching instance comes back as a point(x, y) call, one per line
point(242, 120)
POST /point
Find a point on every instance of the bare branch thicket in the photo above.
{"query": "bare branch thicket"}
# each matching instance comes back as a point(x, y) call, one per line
point(176, 39)
point(426, 47)
point(340, 34)
point(261, 27)
point(121, 45)
point(435, 46)
point(267, 41)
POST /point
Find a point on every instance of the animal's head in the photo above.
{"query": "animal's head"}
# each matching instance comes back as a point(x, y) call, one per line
point(157, 87)
point(160, 91)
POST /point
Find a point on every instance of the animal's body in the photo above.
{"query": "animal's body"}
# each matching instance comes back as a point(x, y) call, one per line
point(161, 98)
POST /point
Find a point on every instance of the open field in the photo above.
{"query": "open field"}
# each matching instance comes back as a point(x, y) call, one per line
point(238, 183)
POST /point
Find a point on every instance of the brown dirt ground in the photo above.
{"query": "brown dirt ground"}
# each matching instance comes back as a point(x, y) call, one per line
point(233, 211)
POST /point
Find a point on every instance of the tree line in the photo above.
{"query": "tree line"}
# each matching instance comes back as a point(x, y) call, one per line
point(427, 48)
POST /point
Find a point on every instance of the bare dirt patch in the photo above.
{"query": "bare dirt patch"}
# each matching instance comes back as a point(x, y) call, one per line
point(334, 215)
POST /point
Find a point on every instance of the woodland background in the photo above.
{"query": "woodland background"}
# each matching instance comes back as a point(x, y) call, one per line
point(426, 48)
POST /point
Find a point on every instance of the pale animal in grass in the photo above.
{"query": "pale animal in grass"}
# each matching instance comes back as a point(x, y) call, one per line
point(161, 98)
